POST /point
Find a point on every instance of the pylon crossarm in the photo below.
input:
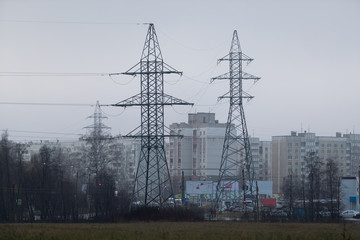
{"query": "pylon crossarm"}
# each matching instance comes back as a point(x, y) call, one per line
point(246, 58)
point(247, 76)
point(222, 97)
point(133, 70)
point(225, 58)
point(221, 77)
point(132, 101)
point(242, 57)
point(169, 69)
point(170, 100)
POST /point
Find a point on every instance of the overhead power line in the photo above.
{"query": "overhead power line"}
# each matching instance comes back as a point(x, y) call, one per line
point(70, 22)
point(55, 133)
point(48, 104)
point(60, 74)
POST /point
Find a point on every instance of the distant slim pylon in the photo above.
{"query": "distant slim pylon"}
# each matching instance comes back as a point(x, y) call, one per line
point(98, 128)
point(236, 167)
point(152, 182)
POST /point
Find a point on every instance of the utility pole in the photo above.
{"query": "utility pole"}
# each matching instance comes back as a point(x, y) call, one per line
point(236, 154)
point(182, 188)
point(20, 149)
point(257, 202)
point(152, 182)
point(244, 189)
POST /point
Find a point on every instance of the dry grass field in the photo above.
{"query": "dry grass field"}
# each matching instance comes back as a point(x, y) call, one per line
point(179, 230)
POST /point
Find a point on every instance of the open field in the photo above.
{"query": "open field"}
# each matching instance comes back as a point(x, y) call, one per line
point(179, 230)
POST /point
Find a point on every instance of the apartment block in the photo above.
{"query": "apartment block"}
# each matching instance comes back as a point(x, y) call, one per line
point(198, 151)
point(288, 154)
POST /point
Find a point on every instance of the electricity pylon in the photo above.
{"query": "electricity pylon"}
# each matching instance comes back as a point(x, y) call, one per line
point(236, 166)
point(97, 139)
point(97, 129)
point(152, 183)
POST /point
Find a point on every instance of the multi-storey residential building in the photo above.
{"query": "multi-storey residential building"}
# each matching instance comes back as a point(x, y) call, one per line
point(288, 154)
point(198, 151)
point(265, 149)
point(255, 154)
point(354, 152)
point(261, 157)
point(335, 148)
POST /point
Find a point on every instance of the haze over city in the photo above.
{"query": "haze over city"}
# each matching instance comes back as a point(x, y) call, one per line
point(306, 53)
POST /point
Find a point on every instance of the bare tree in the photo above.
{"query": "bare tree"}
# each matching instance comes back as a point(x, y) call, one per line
point(7, 194)
point(331, 184)
point(292, 192)
point(314, 177)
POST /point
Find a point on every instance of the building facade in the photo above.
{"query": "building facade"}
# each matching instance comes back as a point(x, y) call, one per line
point(349, 193)
point(198, 151)
point(288, 154)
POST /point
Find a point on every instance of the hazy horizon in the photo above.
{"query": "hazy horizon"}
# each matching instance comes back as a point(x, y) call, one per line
point(306, 53)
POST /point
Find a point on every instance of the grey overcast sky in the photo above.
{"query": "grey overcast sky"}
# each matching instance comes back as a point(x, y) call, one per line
point(307, 54)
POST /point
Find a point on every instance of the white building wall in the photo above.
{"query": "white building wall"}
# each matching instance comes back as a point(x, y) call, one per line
point(349, 193)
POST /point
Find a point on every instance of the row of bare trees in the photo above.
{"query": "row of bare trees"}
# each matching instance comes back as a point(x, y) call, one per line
point(59, 185)
point(315, 192)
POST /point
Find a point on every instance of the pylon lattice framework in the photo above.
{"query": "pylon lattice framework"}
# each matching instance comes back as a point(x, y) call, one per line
point(152, 182)
point(97, 137)
point(98, 128)
point(236, 166)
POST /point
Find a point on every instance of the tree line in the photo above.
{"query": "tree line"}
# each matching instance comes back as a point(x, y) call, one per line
point(315, 193)
point(58, 185)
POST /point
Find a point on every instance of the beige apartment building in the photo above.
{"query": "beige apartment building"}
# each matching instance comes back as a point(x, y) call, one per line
point(261, 158)
point(288, 154)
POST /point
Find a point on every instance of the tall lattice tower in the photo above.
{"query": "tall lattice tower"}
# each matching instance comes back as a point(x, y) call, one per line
point(97, 138)
point(236, 168)
point(97, 129)
point(152, 182)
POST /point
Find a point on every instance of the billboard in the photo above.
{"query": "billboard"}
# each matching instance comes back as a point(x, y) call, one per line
point(229, 186)
point(199, 187)
point(209, 187)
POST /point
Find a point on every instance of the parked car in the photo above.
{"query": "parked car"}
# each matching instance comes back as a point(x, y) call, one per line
point(348, 213)
point(278, 213)
point(324, 213)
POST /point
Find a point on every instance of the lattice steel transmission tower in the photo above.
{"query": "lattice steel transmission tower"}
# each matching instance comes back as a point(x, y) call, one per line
point(236, 167)
point(152, 182)
point(97, 129)
point(97, 139)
